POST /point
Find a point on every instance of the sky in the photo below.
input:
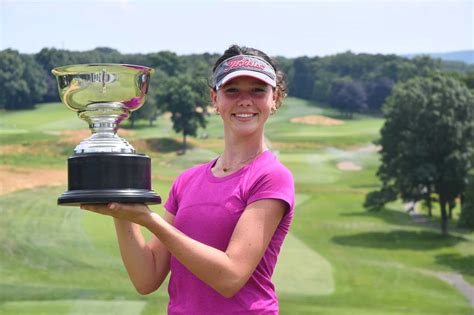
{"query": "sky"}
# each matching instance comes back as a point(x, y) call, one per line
point(278, 27)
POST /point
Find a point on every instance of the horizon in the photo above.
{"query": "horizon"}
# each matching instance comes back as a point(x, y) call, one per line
point(278, 27)
point(310, 56)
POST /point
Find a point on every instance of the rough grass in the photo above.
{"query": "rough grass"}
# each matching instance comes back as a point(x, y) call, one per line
point(338, 259)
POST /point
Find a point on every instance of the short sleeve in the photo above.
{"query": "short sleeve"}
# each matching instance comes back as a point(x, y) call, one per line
point(172, 203)
point(274, 185)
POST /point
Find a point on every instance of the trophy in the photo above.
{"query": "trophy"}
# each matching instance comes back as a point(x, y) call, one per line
point(104, 167)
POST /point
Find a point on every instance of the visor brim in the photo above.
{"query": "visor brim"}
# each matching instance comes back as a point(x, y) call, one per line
point(246, 73)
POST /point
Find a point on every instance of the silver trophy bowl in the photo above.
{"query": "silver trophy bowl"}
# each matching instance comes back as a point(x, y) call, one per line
point(104, 167)
point(103, 95)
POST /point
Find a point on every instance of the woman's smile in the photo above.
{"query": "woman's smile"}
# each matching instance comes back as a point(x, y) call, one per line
point(244, 116)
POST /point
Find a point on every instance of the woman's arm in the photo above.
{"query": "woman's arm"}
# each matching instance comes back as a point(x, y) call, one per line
point(227, 271)
point(147, 264)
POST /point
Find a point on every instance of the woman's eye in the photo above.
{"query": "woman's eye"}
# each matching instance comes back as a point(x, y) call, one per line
point(231, 90)
point(259, 91)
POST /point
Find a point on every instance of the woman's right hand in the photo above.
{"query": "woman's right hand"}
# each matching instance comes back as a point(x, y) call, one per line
point(133, 212)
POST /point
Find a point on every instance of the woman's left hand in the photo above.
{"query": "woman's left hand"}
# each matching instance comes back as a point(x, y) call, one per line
point(134, 212)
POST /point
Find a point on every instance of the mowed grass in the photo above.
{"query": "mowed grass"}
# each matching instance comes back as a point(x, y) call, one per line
point(338, 258)
point(46, 117)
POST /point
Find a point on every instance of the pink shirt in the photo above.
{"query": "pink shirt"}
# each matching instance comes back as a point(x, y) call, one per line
point(207, 209)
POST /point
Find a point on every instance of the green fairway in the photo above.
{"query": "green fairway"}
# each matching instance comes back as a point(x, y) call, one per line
point(47, 117)
point(337, 259)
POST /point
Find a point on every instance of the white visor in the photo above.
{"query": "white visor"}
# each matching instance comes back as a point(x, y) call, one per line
point(244, 65)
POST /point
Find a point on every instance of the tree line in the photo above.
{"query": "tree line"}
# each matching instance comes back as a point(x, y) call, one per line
point(178, 85)
point(361, 82)
point(26, 79)
point(347, 81)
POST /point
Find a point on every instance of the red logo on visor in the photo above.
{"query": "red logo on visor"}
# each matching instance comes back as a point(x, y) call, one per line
point(247, 63)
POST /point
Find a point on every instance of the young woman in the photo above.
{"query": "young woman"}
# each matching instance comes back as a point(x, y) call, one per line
point(225, 220)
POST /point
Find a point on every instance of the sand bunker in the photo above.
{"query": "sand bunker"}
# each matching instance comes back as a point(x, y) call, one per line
point(348, 166)
point(19, 178)
point(316, 120)
point(367, 149)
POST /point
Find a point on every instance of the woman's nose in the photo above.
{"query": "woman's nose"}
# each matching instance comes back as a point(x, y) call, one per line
point(245, 99)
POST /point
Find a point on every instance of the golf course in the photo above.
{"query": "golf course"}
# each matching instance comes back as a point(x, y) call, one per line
point(338, 258)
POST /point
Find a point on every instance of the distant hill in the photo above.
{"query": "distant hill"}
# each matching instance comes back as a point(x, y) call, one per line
point(466, 56)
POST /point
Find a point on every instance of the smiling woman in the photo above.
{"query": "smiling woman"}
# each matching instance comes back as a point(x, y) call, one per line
point(225, 220)
point(246, 88)
point(245, 103)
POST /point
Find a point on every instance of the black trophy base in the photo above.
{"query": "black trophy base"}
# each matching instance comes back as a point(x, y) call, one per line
point(109, 177)
point(77, 197)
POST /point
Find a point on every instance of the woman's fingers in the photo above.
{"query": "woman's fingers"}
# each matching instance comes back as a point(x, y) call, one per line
point(130, 207)
point(105, 209)
point(108, 206)
point(100, 208)
point(133, 212)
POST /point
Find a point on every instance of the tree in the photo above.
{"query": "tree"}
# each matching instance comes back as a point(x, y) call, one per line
point(353, 65)
point(375, 200)
point(322, 85)
point(147, 112)
point(377, 91)
point(34, 75)
point(11, 86)
point(21, 81)
point(50, 59)
point(166, 61)
point(197, 65)
point(348, 97)
point(151, 109)
point(401, 69)
point(467, 78)
point(466, 220)
point(184, 97)
point(428, 140)
point(302, 80)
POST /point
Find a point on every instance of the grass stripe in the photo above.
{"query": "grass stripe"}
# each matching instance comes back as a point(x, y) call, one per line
point(302, 271)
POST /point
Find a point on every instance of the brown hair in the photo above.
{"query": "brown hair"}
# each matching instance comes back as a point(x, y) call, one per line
point(234, 50)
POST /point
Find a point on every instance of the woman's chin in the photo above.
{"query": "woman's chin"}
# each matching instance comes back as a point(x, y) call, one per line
point(247, 131)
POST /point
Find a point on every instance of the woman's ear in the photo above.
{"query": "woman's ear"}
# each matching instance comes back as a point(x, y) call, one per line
point(276, 94)
point(213, 95)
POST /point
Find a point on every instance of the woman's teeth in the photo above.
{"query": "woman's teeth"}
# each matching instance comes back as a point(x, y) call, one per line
point(244, 115)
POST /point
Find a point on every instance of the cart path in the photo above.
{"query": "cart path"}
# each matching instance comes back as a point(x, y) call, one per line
point(453, 278)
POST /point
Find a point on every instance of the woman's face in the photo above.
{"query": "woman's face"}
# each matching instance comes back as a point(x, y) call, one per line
point(244, 103)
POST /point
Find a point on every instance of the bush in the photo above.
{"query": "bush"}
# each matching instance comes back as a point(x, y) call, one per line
point(375, 200)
